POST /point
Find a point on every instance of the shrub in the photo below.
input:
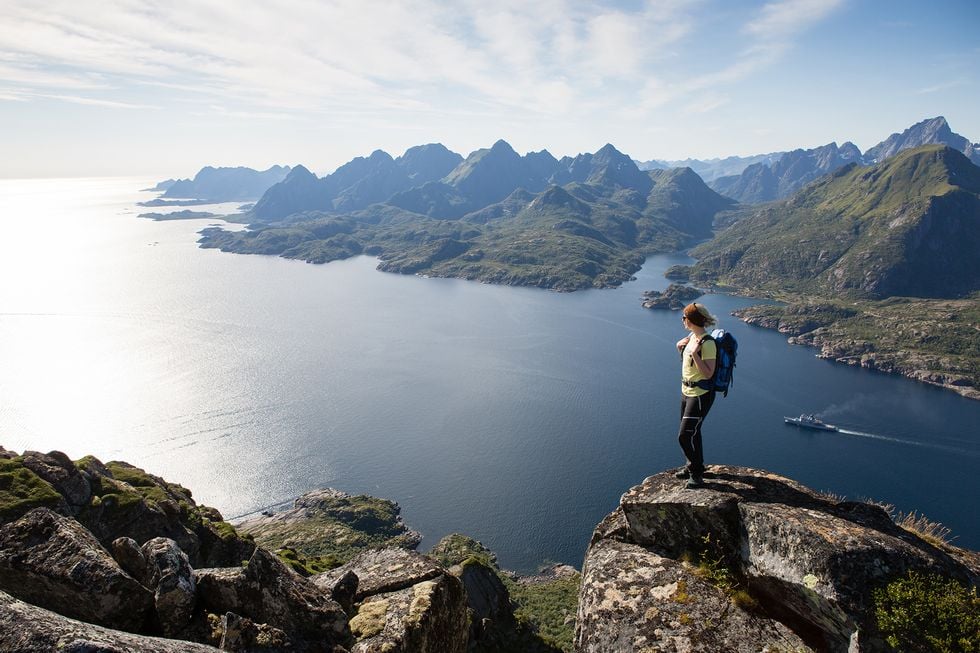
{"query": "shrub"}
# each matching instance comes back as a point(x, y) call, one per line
point(928, 613)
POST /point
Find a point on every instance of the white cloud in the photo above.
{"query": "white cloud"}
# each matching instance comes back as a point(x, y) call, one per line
point(510, 58)
point(95, 102)
point(707, 103)
point(784, 18)
point(935, 88)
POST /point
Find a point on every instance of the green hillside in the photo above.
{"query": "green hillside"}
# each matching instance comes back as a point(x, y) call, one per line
point(909, 226)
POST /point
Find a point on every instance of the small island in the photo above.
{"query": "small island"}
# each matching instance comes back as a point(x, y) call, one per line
point(180, 215)
point(162, 202)
point(674, 298)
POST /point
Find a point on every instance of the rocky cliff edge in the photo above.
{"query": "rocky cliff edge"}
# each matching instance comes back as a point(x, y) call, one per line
point(751, 562)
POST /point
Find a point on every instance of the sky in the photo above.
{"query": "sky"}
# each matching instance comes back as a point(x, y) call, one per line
point(139, 87)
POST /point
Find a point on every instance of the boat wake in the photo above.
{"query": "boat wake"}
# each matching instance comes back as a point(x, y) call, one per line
point(914, 443)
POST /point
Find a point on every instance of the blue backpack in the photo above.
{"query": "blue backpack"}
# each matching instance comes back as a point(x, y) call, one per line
point(724, 362)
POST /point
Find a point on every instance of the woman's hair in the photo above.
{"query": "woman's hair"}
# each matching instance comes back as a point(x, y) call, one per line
point(698, 314)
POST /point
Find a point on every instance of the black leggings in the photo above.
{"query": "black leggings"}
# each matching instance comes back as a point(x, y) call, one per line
point(693, 412)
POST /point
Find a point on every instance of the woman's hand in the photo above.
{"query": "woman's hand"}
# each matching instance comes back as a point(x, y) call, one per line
point(682, 343)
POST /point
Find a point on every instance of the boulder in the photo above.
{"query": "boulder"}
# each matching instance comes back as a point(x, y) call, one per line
point(810, 561)
point(168, 574)
point(53, 562)
point(427, 617)
point(127, 553)
point(267, 592)
point(242, 634)
point(384, 570)
point(26, 628)
point(121, 507)
point(487, 598)
point(635, 600)
point(344, 590)
point(129, 502)
point(57, 469)
point(406, 602)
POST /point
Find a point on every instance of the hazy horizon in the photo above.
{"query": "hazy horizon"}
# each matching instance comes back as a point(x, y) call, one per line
point(131, 89)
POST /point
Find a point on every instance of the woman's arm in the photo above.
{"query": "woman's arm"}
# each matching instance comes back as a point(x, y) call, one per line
point(705, 367)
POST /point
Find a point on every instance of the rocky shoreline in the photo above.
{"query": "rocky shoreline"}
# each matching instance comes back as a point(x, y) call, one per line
point(882, 337)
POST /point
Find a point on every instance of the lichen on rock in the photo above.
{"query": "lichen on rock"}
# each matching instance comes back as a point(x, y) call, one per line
point(807, 566)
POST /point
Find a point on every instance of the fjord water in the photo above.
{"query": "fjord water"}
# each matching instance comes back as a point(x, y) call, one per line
point(517, 416)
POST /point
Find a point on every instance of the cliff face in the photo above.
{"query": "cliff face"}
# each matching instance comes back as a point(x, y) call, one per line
point(751, 562)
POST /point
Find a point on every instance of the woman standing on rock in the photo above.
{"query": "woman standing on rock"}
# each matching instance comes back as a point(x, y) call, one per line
point(698, 353)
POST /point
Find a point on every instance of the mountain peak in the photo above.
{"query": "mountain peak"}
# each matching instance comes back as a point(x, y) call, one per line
point(298, 171)
point(502, 146)
point(609, 151)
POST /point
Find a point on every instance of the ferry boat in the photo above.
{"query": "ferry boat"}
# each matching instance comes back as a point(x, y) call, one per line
point(810, 422)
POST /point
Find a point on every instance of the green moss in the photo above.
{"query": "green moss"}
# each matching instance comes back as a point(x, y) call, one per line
point(129, 474)
point(307, 566)
point(21, 490)
point(369, 620)
point(928, 613)
point(225, 530)
point(457, 549)
point(545, 611)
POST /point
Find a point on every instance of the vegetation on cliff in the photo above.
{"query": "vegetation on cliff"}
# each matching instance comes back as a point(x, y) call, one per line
point(21, 490)
point(928, 613)
point(115, 500)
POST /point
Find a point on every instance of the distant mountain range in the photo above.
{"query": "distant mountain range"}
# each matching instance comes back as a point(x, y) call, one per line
point(712, 169)
point(588, 220)
point(496, 216)
point(357, 184)
point(909, 225)
point(225, 184)
point(767, 180)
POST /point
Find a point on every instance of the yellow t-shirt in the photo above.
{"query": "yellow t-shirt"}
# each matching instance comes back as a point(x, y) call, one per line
point(690, 371)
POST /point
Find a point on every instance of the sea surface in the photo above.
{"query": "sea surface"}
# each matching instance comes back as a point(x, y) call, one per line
point(517, 416)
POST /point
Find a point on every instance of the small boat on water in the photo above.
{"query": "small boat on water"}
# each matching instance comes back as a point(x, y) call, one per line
point(810, 422)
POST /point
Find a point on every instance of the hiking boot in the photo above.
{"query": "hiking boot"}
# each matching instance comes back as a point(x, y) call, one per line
point(683, 472)
point(695, 482)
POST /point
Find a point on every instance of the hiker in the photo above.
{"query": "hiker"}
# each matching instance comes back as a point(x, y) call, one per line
point(698, 353)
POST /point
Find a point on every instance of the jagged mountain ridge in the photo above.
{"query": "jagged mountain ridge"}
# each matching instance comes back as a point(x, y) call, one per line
point(763, 183)
point(909, 226)
point(356, 184)
point(483, 178)
point(768, 181)
point(497, 218)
